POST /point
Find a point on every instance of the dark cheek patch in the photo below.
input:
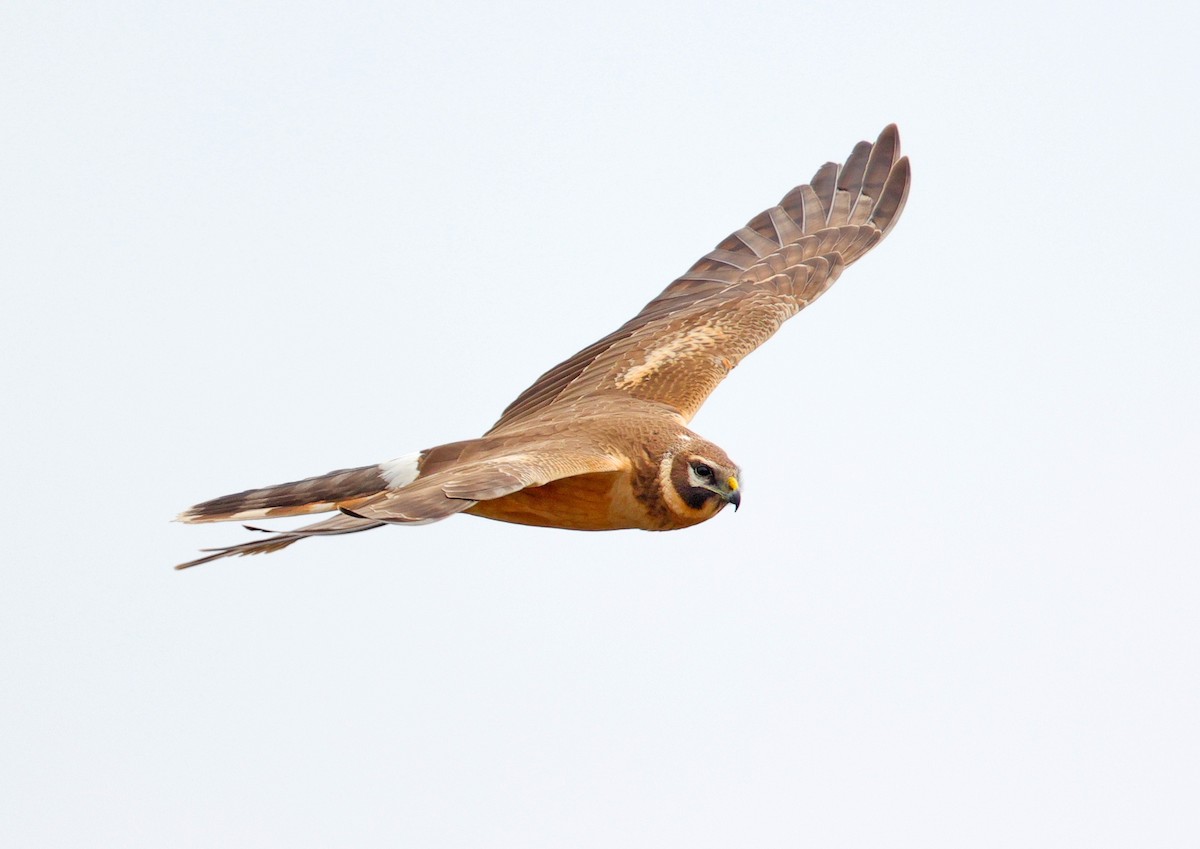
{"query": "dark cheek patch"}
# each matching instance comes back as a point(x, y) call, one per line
point(693, 496)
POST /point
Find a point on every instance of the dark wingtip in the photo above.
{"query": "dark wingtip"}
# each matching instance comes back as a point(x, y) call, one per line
point(894, 196)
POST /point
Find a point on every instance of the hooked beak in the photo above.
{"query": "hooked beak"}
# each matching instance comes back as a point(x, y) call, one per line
point(735, 496)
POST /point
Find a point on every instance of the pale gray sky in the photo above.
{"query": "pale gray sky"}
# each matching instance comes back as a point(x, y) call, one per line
point(249, 242)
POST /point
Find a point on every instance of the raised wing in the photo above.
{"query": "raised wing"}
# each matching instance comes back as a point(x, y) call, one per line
point(682, 343)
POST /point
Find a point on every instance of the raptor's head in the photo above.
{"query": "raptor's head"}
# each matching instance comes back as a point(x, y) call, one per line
point(703, 479)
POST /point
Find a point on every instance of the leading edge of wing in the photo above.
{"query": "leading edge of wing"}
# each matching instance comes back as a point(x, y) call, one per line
point(867, 193)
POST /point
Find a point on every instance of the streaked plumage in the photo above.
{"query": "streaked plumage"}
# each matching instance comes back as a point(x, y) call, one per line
point(600, 441)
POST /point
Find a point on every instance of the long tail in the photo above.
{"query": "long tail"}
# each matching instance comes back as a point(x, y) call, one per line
point(282, 539)
point(319, 494)
point(338, 490)
point(412, 487)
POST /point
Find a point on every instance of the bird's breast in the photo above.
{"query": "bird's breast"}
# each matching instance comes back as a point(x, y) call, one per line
point(605, 501)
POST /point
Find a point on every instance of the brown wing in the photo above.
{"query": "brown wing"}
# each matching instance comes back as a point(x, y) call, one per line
point(488, 477)
point(682, 343)
point(452, 478)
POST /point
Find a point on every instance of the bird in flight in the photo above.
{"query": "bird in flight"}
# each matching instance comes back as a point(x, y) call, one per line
point(600, 441)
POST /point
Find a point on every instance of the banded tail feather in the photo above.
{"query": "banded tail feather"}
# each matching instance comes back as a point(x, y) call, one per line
point(411, 485)
point(282, 539)
point(337, 490)
point(319, 494)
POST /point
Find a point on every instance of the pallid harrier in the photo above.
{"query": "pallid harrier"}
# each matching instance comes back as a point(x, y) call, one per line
point(600, 441)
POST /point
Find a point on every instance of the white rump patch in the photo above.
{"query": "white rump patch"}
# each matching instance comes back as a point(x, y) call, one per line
point(401, 471)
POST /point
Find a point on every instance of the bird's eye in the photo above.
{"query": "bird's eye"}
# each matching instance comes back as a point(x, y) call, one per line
point(703, 471)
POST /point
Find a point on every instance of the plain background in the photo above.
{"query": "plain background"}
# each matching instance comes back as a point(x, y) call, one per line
point(248, 242)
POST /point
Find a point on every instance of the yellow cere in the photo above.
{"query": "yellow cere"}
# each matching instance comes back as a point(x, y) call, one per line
point(733, 486)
